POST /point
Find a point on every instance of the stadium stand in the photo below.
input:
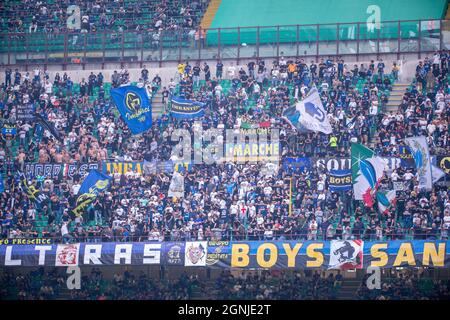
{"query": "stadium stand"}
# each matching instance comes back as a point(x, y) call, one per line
point(57, 124)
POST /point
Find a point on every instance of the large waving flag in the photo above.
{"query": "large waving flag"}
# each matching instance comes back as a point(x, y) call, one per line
point(386, 200)
point(92, 185)
point(186, 109)
point(421, 155)
point(437, 173)
point(367, 170)
point(40, 199)
point(309, 114)
point(134, 107)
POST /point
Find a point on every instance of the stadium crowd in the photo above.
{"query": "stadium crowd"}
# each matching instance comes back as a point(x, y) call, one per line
point(50, 284)
point(225, 201)
point(96, 15)
point(409, 284)
point(44, 284)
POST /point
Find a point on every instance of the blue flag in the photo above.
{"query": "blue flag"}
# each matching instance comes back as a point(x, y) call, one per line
point(134, 107)
point(186, 109)
point(94, 183)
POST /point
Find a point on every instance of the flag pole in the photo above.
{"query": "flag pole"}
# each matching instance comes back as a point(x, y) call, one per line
point(290, 196)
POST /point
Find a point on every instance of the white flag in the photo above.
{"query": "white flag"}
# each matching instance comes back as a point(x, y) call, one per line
point(309, 114)
point(421, 155)
point(176, 188)
point(437, 173)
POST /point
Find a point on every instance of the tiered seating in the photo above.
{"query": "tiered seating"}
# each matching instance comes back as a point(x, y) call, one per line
point(139, 17)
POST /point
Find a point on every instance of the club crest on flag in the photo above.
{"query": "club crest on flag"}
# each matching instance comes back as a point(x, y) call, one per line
point(196, 253)
point(346, 254)
point(67, 255)
point(133, 102)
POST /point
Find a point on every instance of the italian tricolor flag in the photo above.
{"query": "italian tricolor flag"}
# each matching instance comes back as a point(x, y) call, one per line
point(367, 171)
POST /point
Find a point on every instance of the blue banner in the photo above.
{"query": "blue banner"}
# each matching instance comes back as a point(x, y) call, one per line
point(134, 107)
point(406, 158)
point(297, 164)
point(186, 109)
point(288, 254)
point(340, 180)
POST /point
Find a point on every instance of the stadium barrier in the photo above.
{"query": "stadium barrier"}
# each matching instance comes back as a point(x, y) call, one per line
point(358, 38)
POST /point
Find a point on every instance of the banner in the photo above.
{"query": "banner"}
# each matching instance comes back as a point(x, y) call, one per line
point(92, 185)
point(309, 114)
point(40, 199)
point(176, 188)
point(421, 155)
point(367, 170)
point(407, 160)
point(335, 254)
point(134, 106)
point(297, 164)
point(122, 167)
point(57, 170)
point(252, 151)
point(186, 109)
point(25, 112)
point(340, 180)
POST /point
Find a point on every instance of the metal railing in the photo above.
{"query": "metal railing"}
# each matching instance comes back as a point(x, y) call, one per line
point(400, 234)
point(309, 41)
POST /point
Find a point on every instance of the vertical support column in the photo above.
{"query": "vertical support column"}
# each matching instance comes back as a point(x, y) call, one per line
point(358, 35)
point(378, 44)
point(419, 39)
point(180, 39)
point(142, 49)
point(399, 35)
point(257, 41)
point(9, 49)
point(123, 49)
point(66, 36)
point(46, 51)
point(161, 47)
point(199, 42)
point(337, 40)
point(238, 45)
point(317, 42)
point(85, 49)
point(441, 22)
point(278, 41)
point(298, 40)
point(103, 48)
point(218, 46)
point(27, 51)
